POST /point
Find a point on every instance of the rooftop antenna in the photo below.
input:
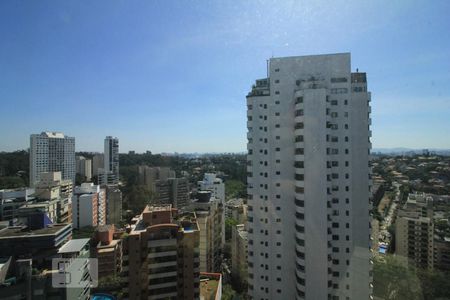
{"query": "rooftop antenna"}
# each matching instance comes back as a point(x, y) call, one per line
point(356, 70)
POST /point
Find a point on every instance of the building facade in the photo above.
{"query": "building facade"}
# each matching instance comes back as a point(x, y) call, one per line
point(161, 256)
point(239, 245)
point(209, 212)
point(216, 185)
point(11, 200)
point(88, 206)
point(108, 252)
point(309, 180)
point(113, 205)
point(111, 161)
point(84, 167)
point(52, 152)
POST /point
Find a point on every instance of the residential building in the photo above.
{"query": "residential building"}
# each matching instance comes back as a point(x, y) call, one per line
point(236, 209)
point(53, 188)
point(88, 206)
point(414, 231)
point(110, 173)
point(161, 255)
point(309, 180)
point(77, 251)
point(209, 211)
point(11, 200)
point(173, 191)
point(113, 205)
point(216, 185)
point(97, 164)
point(239, 245)
point(166, 187)
point(84, 167)
point(108, 252)
point(51, 152)
point(39, 243)
point(441, 253)
point(149, 175)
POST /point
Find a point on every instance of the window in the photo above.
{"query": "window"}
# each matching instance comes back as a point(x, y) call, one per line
point(277, 70)
point(277, 102)
point(277, 92)
point(299, 164)
point(299, 125)
point(299, 138)
point(299, 151)
point(299, 112)
point(277, 114)
point(338, 79)
point(300, 177)
point(277, 125)
point(299, 100)
point(277, 81)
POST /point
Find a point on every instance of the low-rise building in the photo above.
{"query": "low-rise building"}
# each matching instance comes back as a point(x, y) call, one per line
point(11, 200)
point(39, 244)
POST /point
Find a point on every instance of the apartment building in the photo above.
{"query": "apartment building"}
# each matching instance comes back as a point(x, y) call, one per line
point(414, 231)
point(108, 251)
point(52, 152)
point(11, 200)
point(309, 180)
point(113, 205)
point(216, 185)
point(97, 164)
point(161, 255)
point(110, 173)
point(84, 167)
point(88, 206)
point(239, 250)
point(166, 187)
point(209, 211)
point(52, 194)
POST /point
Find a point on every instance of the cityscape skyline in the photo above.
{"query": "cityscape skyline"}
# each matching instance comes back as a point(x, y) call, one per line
point(181, 89)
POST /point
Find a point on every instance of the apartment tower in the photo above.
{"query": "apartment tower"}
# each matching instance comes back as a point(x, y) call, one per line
point(51, 152)
point(111, 161)
point(309, 180)
point(161, 255)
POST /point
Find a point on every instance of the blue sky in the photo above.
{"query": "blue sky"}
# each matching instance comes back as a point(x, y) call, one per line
point(172, 76)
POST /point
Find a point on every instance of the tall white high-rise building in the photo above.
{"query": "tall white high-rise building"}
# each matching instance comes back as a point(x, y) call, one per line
point(111, 161)
point(51, 152)
point(309, 180)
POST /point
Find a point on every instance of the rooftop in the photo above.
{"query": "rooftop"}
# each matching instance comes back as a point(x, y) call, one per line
point(73, 246)
point(23, 231)
point(209, 284)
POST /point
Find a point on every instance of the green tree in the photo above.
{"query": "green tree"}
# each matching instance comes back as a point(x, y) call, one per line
point(394, 281)
point(229, 224)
